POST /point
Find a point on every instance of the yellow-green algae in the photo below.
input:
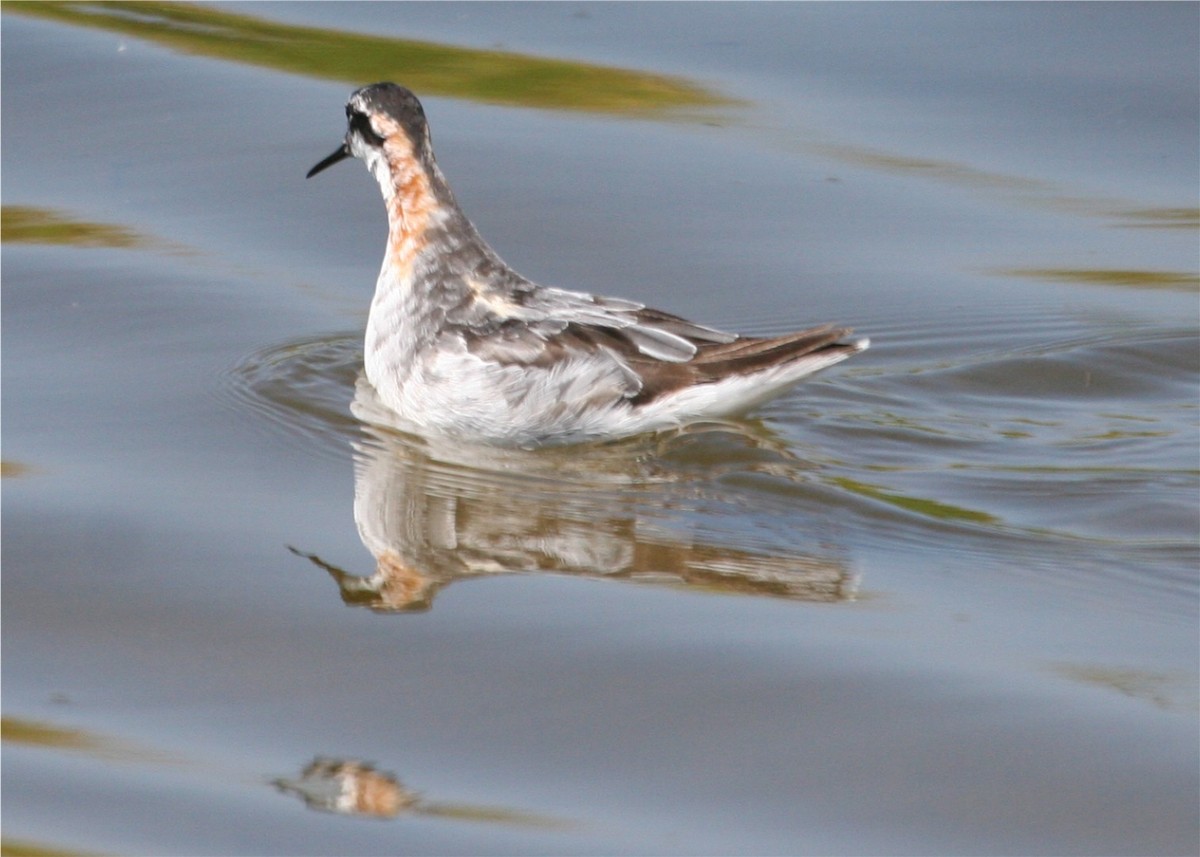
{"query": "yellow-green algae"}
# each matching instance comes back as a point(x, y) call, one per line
point(37, 733)
point(25, 848)
point(920, 505)
point(18, 730)
point(429, 68)
point(26, 224)
point(10, 469)
point(1173, 280)
point(1161, 218)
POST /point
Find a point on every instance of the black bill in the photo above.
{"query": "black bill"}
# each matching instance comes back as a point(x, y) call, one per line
point(340, 154)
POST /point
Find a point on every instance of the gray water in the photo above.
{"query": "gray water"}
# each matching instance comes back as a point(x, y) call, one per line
point(940, 600)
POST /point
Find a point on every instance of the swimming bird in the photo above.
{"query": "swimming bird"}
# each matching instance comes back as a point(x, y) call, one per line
point(459, 344)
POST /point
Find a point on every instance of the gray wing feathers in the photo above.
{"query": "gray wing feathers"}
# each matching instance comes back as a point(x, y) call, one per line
point(547, 313)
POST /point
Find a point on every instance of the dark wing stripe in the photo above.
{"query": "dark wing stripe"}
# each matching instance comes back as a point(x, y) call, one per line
point(793, 344)
point(744, 357)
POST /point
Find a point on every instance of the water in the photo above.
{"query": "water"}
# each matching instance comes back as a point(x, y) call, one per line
point(942, 599)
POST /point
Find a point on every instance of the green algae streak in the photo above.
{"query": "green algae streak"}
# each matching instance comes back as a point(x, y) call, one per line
point(1186, 281)
point(429, 68)
point(26, 224)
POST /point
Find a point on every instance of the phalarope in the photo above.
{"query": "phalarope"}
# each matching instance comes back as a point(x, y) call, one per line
point(460, 344)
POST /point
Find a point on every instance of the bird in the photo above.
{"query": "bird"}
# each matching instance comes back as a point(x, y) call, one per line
point(459, 345)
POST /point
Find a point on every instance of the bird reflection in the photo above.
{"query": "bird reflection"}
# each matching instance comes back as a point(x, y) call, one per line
point(355, 788)
point(431, 515)
point(349, 787)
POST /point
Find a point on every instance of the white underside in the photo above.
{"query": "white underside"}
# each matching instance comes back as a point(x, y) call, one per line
point(454, 393)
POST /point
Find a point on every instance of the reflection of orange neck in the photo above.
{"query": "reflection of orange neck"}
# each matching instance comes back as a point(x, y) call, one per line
point(376, 794)
point(400, 584)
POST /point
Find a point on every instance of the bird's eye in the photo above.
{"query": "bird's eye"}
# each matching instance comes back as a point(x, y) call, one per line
point(361, 125)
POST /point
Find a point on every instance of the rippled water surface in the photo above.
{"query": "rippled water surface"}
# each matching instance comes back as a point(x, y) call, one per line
point(941, 599)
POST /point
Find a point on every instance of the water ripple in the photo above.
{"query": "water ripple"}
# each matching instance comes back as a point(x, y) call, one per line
point(1057, 457)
